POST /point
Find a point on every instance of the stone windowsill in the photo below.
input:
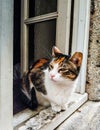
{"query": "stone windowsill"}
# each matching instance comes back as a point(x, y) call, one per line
point(45, 119)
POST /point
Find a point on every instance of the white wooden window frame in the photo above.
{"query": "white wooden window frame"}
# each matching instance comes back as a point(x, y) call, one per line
point(6, 64)
point(80, 39)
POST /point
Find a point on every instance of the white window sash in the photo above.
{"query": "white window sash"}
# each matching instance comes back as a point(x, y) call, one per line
point(24, 30)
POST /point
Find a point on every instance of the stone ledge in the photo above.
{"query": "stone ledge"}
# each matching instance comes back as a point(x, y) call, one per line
point(86, 117)
point(48, 119)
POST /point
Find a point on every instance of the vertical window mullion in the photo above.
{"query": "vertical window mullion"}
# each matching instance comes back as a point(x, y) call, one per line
point(75, 26)
point(75, 34)
point(85, 45)
point(24, 36)
point(63, 25)
point(80, 37)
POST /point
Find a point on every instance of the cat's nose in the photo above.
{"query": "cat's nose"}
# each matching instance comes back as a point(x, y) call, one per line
point(52, 76)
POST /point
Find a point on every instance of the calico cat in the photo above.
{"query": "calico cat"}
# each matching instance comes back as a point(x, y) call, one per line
point(51, 82)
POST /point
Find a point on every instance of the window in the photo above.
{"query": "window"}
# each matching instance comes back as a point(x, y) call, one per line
point(69, 22)
point(39, 29)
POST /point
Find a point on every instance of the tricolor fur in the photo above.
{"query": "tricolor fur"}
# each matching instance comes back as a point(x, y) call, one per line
point(52, 82)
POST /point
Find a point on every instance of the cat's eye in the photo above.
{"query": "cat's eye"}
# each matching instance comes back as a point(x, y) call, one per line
point(60, 70)
point(50, 67)
point(67, 72)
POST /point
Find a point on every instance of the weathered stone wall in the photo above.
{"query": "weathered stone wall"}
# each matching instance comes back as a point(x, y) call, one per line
point(93, 72)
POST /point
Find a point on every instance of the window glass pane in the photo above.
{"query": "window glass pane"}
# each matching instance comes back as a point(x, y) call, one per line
point(39, 7)
point(41, 39)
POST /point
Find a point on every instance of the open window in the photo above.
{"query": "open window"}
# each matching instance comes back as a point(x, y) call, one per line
point(64, 23)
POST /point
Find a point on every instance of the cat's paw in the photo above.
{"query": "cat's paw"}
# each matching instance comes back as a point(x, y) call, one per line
point(67, 105)
point(56, 107)
point(71, 103)
point(64, 107)
point(46, 104)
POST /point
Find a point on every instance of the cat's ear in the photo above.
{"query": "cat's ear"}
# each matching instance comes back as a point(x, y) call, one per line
point(55, 51)
point(77, 58)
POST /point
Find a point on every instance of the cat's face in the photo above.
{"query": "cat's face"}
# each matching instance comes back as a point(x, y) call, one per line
point(64, 68)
